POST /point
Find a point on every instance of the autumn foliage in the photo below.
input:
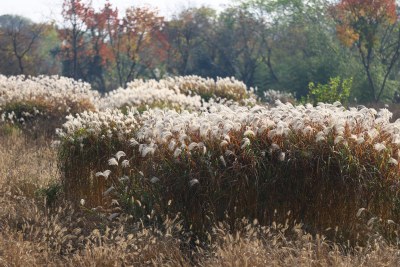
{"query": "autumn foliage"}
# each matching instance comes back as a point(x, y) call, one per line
point(360, 19)
point(94, 42)
point(371, 27)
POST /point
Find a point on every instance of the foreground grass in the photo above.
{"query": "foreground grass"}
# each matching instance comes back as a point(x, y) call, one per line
point(38, 228)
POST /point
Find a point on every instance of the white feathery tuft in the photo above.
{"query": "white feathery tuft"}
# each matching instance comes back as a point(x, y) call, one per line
point(108, 191)
point(105, 174)
point(154, 180)
point(125, 163)
point(193, 182)
point(112, 162)
point(120, 154)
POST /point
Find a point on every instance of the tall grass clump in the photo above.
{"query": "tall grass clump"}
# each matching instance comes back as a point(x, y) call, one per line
point(271, 96)
point(180, 93)
point(206, 88)
point(41, 103)
point(145, 96)
point(33, 234)
point(322, 163)
point(86, 141)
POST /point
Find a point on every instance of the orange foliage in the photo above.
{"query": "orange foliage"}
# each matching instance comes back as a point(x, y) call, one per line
point(361, 18)
point(347, 35)
point(97, 38)
point(97, 23)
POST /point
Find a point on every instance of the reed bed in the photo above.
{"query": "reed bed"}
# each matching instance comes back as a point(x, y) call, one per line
point(34, 234)
point(238, 161)
point(193, 172)
point(38, 105)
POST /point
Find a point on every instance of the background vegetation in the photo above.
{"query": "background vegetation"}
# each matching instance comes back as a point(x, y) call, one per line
point(282, 45)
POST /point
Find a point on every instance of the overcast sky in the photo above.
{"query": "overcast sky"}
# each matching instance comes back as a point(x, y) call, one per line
point(43, 10)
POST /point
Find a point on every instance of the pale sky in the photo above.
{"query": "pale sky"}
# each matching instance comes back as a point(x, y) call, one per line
point(44, 10)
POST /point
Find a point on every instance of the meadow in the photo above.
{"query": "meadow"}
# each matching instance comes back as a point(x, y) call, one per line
point(188, 171)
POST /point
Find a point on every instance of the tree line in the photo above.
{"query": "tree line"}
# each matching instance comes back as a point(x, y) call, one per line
point(268, 44)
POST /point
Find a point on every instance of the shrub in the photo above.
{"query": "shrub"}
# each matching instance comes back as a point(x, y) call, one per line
point(335, 90)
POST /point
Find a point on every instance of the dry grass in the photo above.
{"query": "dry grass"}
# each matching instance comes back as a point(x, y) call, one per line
point(26, 165)
point(32, 234)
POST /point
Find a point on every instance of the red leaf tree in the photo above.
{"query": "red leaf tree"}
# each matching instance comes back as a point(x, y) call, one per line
point(98, 45)
point(72, 36)
point(137, 43)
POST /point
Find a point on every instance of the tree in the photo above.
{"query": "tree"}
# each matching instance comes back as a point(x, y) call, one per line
point(98, 53)
point(136, 42)
point(205, 44)
point(45, 56)
point(241, 44)
point(73, 43)
point(101, 48)
point(189, 50)
point(371, 26)
point(295, 44)
point(19, 37)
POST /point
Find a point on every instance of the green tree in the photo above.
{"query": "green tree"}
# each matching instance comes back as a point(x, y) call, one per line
point(189, 51)
point(299, 45)
point(240, 43)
